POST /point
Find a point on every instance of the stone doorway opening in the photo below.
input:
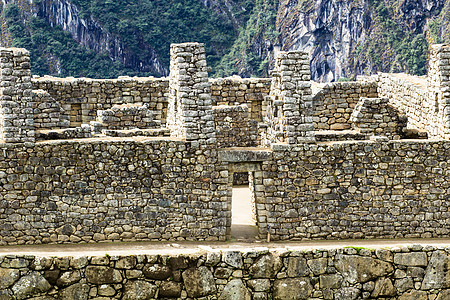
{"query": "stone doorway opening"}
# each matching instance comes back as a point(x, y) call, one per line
point(243, 208)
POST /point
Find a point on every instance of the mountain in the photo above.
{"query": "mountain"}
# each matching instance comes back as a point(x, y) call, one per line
point(106, 38)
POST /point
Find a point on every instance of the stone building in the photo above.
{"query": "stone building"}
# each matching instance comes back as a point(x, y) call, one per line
point(125, 159)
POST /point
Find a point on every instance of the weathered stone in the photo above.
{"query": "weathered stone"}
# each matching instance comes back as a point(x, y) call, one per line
point(139, 290)
point(331, 281)
point(259, 285)
point(437, 274)
point(212, 258)
point(199, 282)
point(347, 293)
point(128, 262)
point(41, 263)
point(68, 278)
point(414, 295)
point(443, 295)
point(79, 262)
point(235, 290)
point(404, 284)
point(102, 275)
point(414, 259)
point(106, 290)
point(76, 291)
point(30, 285)
point(292, 289)
point(8, 277)
point(266, 266)
point(179, 262)
point(157, 272)
point(233, 258)
point(170, 289)
point(297, 267)
point(383, 287)
point(318, 266)
point(6, 295)
point(361, 269)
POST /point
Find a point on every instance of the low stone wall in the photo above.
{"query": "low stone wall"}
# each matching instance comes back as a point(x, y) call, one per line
point(48, 113)
point(237, 91)
point(234, 128)
point(356, 190)
point(410, 96)
point(373, 116)
point(334, 103)
point(109, 190)
point(128, 116)
point(101, 94)
point(414, 272)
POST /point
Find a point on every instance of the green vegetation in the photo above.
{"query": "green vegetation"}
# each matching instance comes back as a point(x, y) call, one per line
point(53, 51)
point(249, 54)
point(160, 23)
point(408, 49)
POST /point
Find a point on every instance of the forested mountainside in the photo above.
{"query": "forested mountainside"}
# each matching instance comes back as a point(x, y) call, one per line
point(106, 38)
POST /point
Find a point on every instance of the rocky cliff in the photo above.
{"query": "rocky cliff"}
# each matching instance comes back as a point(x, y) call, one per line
point(92, 35)
point(346, 38)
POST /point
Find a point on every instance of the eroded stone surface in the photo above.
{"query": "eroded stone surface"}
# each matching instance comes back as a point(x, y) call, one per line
point(139, 290)
point(437, 274)
point(199, 282)
point(30, 285)
point(292, 289)
point(8, 277)
point(235, 290)
point(102, 275)
point(361, 269)
point(266, 266)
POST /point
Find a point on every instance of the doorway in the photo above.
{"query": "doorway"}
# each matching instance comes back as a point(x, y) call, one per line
point(243, 211)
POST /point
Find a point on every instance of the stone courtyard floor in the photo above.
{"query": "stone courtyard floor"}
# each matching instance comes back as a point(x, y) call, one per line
point(175, 248)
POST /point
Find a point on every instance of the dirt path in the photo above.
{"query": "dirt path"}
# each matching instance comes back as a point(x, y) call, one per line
point(136, 248)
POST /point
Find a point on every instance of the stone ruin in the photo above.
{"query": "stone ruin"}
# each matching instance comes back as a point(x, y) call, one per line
point(92, 160)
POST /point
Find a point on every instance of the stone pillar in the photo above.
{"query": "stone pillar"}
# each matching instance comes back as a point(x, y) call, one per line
point(289, 115)
point(190, 115)
point(16, 107)
point(439, 89)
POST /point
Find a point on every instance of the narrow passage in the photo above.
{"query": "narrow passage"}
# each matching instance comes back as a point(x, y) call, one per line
point(243, 227)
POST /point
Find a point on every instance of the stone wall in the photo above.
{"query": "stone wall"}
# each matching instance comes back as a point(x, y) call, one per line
point(190, 113)
point(334, 103)
point(356, 190)
point(234, 128)
point(16, 106)
point(374, 117)
point(438, 82)
point(92, 95)
point(237, 91)
point(128, 116)
point(409, 94)
point(413, 272)
point(48, 113)
point(289, 106)
point(109, 190)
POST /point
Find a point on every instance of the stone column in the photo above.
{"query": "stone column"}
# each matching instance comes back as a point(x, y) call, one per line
point(290, 100)
point(190, 115)
point(439, 89)
point(16, 107)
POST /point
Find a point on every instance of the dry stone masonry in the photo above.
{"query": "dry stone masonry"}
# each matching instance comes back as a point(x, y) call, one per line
point(290, 102)
point(16, 106)
point(413, 272)
point(159, 162)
